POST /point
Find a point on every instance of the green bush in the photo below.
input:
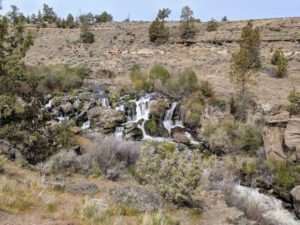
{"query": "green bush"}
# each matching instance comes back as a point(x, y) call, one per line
point(2, 163)
point(59, 77)
point(230, 135)
point(206, 89)
point(140, 78)
point(104, 17)
point(86, 36)
point(158, 33)
point(294, 107)
point(287, 174)
point(212, 25)
point(193, 108)
point(281, 63)
point(159, 72)
point(166, 167)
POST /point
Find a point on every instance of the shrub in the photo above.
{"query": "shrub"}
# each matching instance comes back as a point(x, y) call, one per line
point(287, 174)
point(218, 102)
point(212, 25)
point(140, 78)
point(230, 135)
point(193, 108)
point(175, 174)
point(159, 72)
point(86, 36)
point(59, 77)
point(281, 63)
point(158, 33)
point(104, 17)
point(225, 19)
point(294, 107)
point(183, 84)
point(206, 89)
point(2, 163)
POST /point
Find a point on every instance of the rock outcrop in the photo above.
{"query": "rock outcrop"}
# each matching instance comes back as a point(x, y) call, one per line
point(295, 193)
point(141, 199)
point(292, 136)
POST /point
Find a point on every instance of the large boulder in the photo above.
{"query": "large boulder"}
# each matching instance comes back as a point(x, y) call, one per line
point(273, 143)
point(106, 119)
point(67, 108)
point(292, 136)
point(295, 193)
point(279, 120)
point(141, 199)
point(178, 134)
point(132, 132)
point(158, 108)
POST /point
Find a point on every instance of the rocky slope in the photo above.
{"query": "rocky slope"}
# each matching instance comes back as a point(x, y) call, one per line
point(119, 45)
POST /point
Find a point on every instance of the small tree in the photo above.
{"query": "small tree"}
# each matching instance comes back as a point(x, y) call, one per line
point(49, 14)
point(294, 107)
point(86, 36)
point(225, 19)
point(158, 33)
point(87, 18)
point(187, 23)
point(104, 17)
point(281, 63)
point(250, 40)
point(70, 21)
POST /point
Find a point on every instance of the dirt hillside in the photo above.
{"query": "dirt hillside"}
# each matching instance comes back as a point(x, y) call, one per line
point(119, 45)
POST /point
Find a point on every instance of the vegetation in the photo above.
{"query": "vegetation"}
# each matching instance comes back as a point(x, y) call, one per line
point(158, 33)
point(48, 14)
point(140, 78)
point(70, 22)
point(212, 25)
point(243, 67)
point(86, 35)
point(294, 107)
point(287, 174)
point(104, 17)
point(224, 19)
point(233, 136)
point(187, 24)
point(281, 63)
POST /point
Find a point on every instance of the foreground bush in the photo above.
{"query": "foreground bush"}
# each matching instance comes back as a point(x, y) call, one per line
point(86, 35)
point(176, 174)
point(230, 135)
point(108, 157)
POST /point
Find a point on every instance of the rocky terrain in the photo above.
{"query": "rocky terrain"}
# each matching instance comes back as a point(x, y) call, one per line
point(119, 45)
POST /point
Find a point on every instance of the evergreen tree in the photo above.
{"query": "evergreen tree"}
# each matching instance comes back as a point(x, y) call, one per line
point(250, 40)
point(86, 36)
point(33, 19)
point(187, 23)
point(104, 17)
point(70, 21)
point(158, 33)
point(163, 14)
point(48, 14)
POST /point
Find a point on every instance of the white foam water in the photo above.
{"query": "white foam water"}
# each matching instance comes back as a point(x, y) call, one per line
point(86, 125)
point(105, 102)
point(271, 208)
point(168, 122)
point(119, 132)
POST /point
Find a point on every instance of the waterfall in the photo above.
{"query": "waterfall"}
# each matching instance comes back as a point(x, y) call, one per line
point(119, 132)
point(142, 108)
point(120, 108)
point(168, 122)
point(269, 208)
point(105, 102)
point(49, 105)
point(86, 125)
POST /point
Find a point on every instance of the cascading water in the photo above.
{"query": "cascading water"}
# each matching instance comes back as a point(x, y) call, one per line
point(104, 102)
point(119, 132)
point(270, 208)
point(86, 125)
point(168, 122)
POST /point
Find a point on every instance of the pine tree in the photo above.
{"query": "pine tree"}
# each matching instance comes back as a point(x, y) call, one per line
point(158, 33)
point(187, 23)
point(70, 21)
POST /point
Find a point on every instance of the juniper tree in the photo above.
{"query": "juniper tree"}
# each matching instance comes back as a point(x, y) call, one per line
point(86, 35)
point(104, 17)
point(48, 14)
point(70, 21)
point(158, 33)
point(163, 14)
point(250, 40)
point(187, 23)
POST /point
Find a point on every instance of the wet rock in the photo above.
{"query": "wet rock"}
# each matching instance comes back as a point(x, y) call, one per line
point(155, 128)
point(178, 134)
point(273, 144)
point(157, 108)
point(81, 188)
point(295, 193)
point(132, 132)
point(140, 199)
point(67, 108)
point(105, 118)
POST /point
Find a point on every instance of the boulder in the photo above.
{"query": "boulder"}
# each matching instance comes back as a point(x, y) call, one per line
point(280, 120)
point(105, 118)
point(292, 136)
point(273, 144)
point(77, 104)
point(132, 132)
point(295, 193)
point(67, 108)
point(7, 149)
point(141, 199)
point(158, 108)
point(81, 188)
point(178, 134)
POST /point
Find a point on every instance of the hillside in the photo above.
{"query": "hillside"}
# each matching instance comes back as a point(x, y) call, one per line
point(119, 45)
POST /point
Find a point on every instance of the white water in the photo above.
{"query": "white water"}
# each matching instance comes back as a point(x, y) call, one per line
point(142, 108)
point(61, 119)
point(168, 122)
point(119, 132)
point(49, 105)
point(271, 208)
point(105, 102)
point(120, 108)
point(86, 125)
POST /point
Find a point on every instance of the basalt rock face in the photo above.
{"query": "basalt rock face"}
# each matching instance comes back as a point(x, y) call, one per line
point(292, 136)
